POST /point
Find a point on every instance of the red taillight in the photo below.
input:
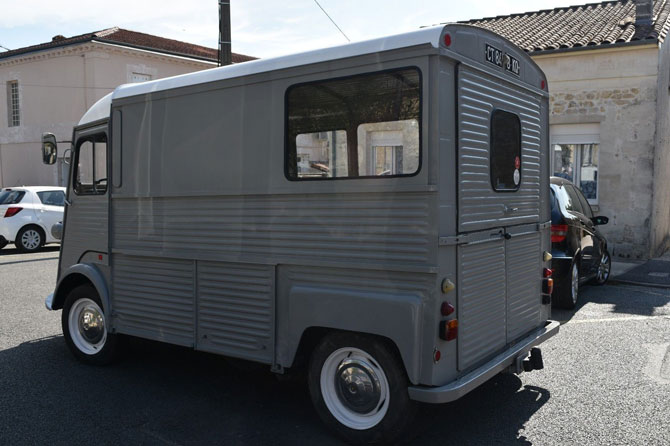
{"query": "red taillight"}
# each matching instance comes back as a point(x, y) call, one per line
point(543, 84)
point(447, 39)
point(449, 330)
point(436, 355)
point(446, 309)
point(547, 272)
point(12, 211)
point(558, 233)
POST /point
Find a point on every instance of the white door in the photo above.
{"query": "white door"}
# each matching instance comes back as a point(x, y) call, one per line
point(49, 209)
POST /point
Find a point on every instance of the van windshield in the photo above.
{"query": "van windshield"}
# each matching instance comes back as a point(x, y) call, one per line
point(11, 196)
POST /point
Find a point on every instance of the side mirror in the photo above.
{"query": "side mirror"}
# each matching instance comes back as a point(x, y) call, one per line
point(600, 220)
point(49, 148)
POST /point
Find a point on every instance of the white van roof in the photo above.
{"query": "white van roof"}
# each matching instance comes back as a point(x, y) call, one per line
point(431, 35)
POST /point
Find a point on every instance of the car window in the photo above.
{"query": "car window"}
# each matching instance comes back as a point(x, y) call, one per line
point(11, 196)
point(586, 207)
point(52, 197)
point(573, 204)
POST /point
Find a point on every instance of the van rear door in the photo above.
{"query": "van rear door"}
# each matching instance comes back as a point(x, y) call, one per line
point(499, 194)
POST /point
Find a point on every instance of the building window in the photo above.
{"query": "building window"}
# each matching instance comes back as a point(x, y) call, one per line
point(366, 125)
point(13, 109)
point(579, 164)
point(505, 151)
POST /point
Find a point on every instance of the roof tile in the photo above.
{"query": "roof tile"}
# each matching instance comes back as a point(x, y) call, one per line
point(592, 24)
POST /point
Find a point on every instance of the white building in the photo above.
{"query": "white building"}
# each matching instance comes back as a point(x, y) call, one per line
point(48, 87)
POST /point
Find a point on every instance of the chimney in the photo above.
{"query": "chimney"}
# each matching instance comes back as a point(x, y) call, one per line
point(644, 11)
point(225, 54)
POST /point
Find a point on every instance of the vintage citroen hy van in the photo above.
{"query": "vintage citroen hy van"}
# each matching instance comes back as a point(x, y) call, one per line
point(377, 212)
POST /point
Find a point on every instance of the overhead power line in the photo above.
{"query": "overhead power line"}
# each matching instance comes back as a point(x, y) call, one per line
point(4, 48)
point(331, 19)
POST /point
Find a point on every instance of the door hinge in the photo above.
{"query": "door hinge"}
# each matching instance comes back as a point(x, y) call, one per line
point(454, 240)
point(545, 225)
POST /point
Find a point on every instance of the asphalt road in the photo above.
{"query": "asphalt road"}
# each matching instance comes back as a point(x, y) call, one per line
point(606, 381)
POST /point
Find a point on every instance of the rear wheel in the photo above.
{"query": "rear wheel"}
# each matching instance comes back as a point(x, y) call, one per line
point(359, 388)
point(84, 327)
point(604, 268)
point(29, 239)
point(568, 291)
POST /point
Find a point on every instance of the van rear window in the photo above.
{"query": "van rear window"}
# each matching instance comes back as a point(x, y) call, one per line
point(11, 196)
point(367, 125)
point(505, 151)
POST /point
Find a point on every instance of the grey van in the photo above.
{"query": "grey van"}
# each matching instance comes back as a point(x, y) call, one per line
point(377, 212)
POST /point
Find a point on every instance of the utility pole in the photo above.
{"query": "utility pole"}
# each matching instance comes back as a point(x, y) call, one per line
point(225, 53)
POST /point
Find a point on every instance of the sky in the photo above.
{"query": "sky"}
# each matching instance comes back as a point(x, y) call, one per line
point(261, 28)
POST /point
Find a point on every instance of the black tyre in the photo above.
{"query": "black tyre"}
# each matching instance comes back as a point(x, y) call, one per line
point(29, 239)
point(604, 269)
point(567, 291)
point(84, 327)
point(359, 388)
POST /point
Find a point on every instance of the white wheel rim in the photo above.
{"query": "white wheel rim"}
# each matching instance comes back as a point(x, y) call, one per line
point(332, 380)
point(604, 268)
point(31, 239)
point(87, 326)
point(575, 283)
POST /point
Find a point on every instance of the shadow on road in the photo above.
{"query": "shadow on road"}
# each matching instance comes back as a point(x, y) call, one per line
point(10, 250)
point(162, 394)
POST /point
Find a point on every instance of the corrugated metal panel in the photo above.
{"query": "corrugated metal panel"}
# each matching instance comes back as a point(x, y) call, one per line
point(523, 284)
point(481, 301)
point(87, 222)
point(353, 227)
point(479, 206)
point(236, 309)
point(153, 298)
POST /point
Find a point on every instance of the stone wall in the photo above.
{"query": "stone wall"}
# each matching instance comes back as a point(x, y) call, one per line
point(616, 89)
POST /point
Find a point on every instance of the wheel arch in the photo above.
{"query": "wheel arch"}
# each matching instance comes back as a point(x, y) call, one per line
point(35, 225)
point(82, 274)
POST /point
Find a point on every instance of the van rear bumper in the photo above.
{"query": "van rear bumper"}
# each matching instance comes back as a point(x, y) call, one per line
point(456, 389)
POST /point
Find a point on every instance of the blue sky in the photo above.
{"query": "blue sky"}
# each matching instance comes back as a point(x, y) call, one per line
point(262, 28)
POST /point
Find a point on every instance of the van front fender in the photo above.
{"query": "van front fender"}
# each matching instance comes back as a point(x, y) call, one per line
point(80, 274)
point(394, 316)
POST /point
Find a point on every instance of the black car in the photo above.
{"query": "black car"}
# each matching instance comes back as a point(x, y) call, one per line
point(578, 248)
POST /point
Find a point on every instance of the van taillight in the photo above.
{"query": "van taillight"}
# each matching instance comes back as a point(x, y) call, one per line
point(449, 330)
point(558, 233)
point(12, 211)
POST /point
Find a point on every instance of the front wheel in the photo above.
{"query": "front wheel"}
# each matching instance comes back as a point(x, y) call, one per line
point(359, 388)
point(84, 327)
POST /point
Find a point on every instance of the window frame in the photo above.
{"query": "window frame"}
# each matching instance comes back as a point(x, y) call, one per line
point(13, 104)
point(287, 143)
point(518, 186)
point(89, 137)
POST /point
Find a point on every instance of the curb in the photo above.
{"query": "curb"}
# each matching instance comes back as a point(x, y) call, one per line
point(631, 282)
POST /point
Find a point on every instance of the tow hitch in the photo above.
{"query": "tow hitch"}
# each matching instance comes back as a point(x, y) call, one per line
point(529, 362)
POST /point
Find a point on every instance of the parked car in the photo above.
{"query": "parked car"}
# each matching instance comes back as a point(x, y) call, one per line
point(28, 214)
point(578, 248)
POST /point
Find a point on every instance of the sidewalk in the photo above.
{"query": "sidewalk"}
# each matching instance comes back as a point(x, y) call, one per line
point(653, 272)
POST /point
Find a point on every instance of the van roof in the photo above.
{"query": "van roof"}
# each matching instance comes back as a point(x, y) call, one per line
point(430, 36)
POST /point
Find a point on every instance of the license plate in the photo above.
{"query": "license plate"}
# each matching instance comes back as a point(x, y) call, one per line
point(511, 64)
point(494, 55)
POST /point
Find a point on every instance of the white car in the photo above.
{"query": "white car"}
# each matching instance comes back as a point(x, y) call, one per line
point(27, 215)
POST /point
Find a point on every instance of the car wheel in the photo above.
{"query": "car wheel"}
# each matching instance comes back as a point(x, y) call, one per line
point(29, 239)
point(359, 388)
point(604, 268)
point(3, 243)
point(568, 292)
point(84, 327)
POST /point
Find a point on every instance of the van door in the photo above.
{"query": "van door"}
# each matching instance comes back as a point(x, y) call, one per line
point(499, 187)
point(86, 216)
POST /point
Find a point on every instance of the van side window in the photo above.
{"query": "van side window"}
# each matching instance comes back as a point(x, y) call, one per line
point(367, 125)
point(90, 176)
point(505, 151)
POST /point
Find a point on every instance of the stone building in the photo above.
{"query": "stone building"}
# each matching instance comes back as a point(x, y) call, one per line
point(48, 87)
point(608, 69)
